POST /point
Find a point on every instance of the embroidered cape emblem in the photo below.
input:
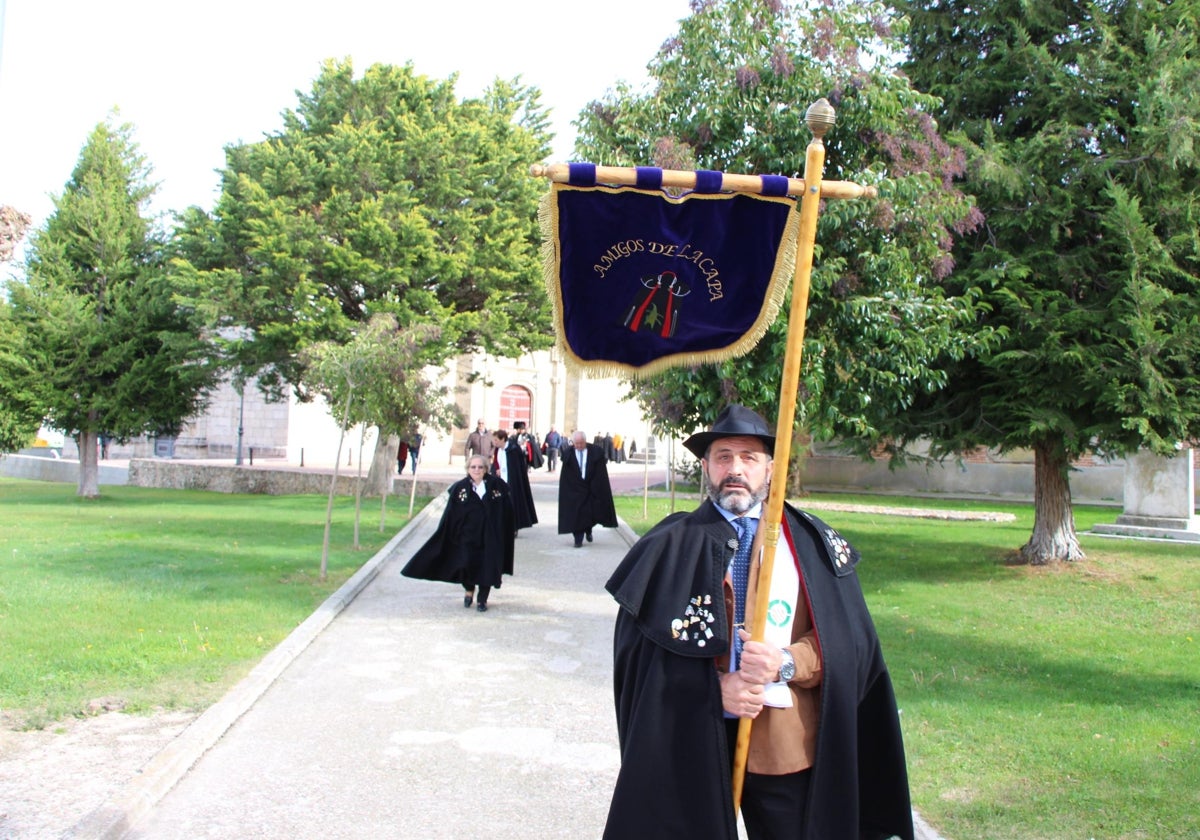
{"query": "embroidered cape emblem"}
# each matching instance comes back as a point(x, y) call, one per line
point(838, 546)
point(695, 627)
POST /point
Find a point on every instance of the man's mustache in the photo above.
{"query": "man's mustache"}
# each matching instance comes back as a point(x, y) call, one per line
point(734, 482)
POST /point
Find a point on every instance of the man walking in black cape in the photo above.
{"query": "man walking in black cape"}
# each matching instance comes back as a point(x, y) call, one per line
point(584, 494)
point(509, 462)
point(826, 758)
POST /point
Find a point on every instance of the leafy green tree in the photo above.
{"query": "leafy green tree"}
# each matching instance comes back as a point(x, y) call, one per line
point(107, 347)
point(20, 402)
point(19, 412)
point(730, 92)
point(372, 379)
point(380, 194)
point(1080, 119)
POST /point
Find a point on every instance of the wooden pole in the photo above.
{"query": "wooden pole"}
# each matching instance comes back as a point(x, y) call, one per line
point(820, 118)
point(683, 179)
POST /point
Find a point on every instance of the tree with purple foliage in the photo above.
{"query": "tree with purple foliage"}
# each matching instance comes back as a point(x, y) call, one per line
point(729, 92)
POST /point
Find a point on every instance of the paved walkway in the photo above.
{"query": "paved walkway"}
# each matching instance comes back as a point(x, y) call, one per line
point(395, 713)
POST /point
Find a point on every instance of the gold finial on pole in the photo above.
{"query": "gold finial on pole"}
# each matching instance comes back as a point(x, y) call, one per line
point(820, 117)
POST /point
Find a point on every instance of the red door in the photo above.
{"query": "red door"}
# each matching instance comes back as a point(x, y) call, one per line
point(515, 403)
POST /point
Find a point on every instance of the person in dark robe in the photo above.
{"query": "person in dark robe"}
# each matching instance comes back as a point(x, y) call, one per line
point(509, 462)
point(584, 494)
point(473, 543)
point(826, 757)
point(529, 443)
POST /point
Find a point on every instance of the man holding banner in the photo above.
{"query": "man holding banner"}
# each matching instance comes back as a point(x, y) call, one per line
point(826, 759)
point(738, 685)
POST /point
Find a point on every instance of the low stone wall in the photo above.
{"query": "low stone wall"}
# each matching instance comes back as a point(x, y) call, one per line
point(1099, 484)
point(48, 468)
point(271, 481)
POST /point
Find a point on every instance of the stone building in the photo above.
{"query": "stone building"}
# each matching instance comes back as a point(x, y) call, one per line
point(537, 388)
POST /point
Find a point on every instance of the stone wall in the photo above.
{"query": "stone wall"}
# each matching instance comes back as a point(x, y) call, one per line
point(225, 478)
point(48, 467)
point(1098, 484)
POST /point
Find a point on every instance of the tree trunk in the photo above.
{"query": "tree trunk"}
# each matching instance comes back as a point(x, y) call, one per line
point(358, 487)
point(383, 465)
point(1054, 538)
point(89, 470)
point(333, 486)
point(796, 461)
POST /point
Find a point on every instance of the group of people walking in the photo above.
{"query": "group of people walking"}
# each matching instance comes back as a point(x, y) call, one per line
point(613, 447)
point(473, 545)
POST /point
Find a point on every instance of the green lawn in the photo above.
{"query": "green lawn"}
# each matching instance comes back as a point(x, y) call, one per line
point(159, 597)
point(1057, 702)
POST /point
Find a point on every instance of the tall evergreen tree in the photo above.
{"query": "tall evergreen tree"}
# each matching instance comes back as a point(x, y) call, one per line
point(730, 92)
point(1081, 120)
point(106, 347)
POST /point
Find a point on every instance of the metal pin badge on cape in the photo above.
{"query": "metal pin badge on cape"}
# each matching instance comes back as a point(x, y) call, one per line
point(733, 543)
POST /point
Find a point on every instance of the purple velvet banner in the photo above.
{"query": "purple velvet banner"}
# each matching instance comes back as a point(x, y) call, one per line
point(643, 280)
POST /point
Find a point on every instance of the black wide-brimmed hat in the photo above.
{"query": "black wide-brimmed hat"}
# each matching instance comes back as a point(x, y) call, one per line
point(734, 421)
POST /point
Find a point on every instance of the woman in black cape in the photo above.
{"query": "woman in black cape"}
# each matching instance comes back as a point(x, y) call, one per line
point(473, 544)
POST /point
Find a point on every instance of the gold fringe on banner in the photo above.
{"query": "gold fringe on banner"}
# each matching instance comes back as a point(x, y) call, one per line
point(781, 275)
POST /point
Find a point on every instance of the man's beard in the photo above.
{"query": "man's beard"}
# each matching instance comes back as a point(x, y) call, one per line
point(736, 503)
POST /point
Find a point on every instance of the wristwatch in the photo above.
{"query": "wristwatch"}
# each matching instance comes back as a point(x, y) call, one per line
point(787, 668)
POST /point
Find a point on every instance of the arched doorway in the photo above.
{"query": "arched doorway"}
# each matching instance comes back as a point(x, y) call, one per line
point(515, 404)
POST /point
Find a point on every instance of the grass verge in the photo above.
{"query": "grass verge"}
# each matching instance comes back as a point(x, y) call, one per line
point(1037, 703)
point(158, 598)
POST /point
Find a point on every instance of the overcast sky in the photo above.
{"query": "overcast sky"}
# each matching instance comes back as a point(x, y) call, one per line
point(194, 77)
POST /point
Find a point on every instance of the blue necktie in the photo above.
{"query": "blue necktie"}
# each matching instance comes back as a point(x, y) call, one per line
point(740, 572)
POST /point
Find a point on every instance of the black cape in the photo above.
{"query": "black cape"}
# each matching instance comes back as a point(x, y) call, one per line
point(584, 501)
point(533, 450)
point(670, 722)
point(518, 481)
point(473, 543)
